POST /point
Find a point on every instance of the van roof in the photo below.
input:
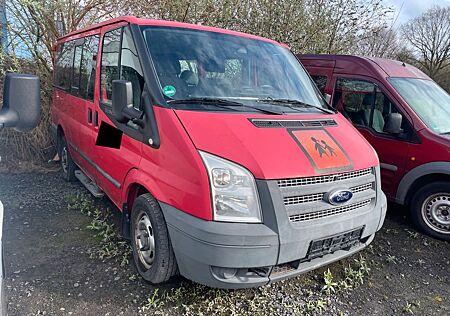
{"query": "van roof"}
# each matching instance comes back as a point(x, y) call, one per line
point(141, 21)
point(364, 65)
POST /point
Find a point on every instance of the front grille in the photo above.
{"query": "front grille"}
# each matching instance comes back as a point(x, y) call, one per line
point(329, 212)
point(292, 123)
point(291, 200)
point(294, 182)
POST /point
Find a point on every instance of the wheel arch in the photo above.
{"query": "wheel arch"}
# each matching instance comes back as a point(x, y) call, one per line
point(419, 176)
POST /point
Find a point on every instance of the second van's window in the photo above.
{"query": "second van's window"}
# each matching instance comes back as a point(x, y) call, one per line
point(320, 81)
point(364, 104)
point(110, 64)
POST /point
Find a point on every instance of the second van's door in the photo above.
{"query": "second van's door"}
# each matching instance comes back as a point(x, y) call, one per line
point(364, 104)
point(115, 152)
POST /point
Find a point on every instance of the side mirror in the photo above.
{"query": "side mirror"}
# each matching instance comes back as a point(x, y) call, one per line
point(327, 97)
point(21, 102)
point(393, 124)
point(122, 102)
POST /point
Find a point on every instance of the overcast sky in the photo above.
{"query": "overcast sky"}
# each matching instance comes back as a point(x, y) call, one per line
point(413, 8)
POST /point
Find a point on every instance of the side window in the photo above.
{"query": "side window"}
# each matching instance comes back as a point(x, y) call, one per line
point(76, 69)
point(364, 104)
point(63, 66)
point(320, 81)
point(88, 66)
point(130, 68)
point(110, 64)
point(382, 108)
point(355, 98)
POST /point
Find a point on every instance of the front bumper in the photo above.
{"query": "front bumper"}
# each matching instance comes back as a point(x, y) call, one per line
point(238, 255)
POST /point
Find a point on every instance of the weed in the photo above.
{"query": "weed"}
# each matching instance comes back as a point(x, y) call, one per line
point(408, 308)
point(330, 285)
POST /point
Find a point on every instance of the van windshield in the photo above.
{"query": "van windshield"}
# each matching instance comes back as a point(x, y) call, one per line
point(193, 64)
point(430, 102)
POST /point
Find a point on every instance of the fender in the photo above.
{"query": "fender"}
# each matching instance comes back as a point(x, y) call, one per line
point(439, 167)
point(134, 176)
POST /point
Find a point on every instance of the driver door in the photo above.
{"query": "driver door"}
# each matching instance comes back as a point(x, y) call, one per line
point(367, 106)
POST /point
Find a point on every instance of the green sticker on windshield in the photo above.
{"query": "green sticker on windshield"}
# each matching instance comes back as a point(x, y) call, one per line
point(169, 91)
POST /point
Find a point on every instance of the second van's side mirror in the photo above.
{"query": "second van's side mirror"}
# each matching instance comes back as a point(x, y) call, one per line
point(393, 124)
point(122, 102)
point(21, 102)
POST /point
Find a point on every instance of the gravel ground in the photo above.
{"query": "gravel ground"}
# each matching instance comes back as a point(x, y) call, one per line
point(50, 269)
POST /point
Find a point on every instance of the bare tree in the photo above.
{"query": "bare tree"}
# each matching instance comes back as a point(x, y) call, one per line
point(429, 36)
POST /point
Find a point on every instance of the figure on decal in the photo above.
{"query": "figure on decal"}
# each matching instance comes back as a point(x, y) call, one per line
point(329, 148)
point(320, 149)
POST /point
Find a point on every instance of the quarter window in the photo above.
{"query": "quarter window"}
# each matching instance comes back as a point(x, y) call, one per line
point(130, 68)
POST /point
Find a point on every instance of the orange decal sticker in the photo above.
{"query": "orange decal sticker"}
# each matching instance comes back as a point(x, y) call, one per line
point(322, 150)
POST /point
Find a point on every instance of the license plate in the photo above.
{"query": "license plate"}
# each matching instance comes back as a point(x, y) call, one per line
point(344, 241)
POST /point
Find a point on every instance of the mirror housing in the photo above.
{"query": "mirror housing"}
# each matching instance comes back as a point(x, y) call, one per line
point(21, 102)
point(393, 124)
point(327, 97)
point(122, 102)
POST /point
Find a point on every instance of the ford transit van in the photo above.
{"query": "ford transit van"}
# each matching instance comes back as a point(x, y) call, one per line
point(226, 162)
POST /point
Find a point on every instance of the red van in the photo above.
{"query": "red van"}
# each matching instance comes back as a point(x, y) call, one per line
point(225, 160)
point(405, 116)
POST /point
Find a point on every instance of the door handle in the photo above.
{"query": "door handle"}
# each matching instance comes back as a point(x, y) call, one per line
point(89, 116)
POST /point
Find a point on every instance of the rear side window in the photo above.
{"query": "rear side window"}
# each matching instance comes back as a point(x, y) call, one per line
point(88, 64)
point(76, 69)
point(110, 63)
point(64, 63)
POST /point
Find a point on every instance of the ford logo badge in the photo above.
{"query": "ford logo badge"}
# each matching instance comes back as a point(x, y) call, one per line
point(340, 197)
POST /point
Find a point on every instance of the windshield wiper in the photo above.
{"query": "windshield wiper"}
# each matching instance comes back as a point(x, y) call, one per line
point(222, 103)
point(289, 103)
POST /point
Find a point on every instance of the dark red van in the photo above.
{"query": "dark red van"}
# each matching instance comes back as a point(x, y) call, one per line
point(405, 116)
point(223, 157)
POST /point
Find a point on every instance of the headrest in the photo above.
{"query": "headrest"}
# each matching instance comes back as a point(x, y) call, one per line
point(167, 64)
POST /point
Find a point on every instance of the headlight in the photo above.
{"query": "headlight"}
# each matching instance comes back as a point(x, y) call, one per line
point(233, 191)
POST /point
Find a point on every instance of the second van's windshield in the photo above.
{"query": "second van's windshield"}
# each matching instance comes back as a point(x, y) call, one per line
point(193, 64)
point(428, 100)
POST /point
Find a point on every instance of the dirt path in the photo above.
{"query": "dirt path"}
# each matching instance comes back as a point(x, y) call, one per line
point(50, 272)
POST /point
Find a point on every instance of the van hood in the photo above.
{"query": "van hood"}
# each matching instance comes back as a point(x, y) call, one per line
point(264, 145)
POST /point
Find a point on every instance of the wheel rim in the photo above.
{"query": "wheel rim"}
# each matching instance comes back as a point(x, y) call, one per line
point(64, 159)
point(144, 240)
point(436, 212)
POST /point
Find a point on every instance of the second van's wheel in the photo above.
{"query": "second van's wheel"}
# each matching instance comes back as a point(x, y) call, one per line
point(430, 209)
point(68, 167)
point(152, 249)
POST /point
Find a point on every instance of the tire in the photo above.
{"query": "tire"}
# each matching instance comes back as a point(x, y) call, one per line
point(152, 250)
point(430, 209)
point(68, 167)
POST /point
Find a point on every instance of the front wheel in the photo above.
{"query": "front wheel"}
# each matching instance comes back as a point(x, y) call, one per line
point(152, 249)
point(430, 209)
